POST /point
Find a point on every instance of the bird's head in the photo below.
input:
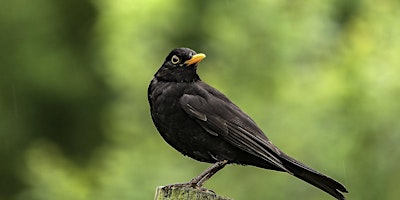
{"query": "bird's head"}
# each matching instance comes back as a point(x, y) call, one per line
point(180, 66)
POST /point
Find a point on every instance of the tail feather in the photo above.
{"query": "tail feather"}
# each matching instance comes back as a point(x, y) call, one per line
point(313, 177)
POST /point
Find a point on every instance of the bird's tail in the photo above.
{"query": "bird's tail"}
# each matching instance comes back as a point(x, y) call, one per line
point(313, 177)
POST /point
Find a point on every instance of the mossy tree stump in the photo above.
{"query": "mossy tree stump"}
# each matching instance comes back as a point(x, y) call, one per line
point(185, 193)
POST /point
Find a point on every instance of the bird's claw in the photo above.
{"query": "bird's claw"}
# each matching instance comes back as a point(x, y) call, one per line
point(191, 185)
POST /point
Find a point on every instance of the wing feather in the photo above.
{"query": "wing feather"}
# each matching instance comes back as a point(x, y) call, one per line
point(227, 121)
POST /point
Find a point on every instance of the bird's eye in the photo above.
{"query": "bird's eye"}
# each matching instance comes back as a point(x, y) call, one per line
point(175, 59)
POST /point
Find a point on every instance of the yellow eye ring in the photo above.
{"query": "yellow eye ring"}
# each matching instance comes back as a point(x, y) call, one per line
point(175, 59)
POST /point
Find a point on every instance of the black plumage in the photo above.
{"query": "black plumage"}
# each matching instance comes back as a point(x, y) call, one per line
point(202, 123)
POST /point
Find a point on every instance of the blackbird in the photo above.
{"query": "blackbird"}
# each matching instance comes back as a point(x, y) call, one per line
point(202, 123)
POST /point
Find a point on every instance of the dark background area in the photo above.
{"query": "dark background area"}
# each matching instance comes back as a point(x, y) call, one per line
point(320, 78)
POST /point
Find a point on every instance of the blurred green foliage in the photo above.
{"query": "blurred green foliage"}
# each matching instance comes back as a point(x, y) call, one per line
point(320, 77)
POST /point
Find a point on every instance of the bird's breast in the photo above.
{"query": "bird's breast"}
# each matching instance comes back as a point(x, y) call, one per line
point(167, 114)
point(175, 126)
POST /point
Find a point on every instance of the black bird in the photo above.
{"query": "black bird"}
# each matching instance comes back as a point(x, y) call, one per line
point(202, 123)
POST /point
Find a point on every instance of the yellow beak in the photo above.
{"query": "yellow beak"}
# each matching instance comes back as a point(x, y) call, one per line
point(195, 59)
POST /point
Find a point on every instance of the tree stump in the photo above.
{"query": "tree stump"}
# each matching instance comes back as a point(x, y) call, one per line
point(185, 193)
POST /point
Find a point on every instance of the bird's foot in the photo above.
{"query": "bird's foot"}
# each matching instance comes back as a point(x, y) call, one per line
point(191, 185)
point(197, 182)
point(180, 185)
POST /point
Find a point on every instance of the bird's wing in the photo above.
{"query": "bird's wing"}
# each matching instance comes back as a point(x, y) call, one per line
point(221, 118)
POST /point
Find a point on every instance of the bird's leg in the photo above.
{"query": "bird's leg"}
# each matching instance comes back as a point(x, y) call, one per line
point(208, 173)
point(198, 181)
